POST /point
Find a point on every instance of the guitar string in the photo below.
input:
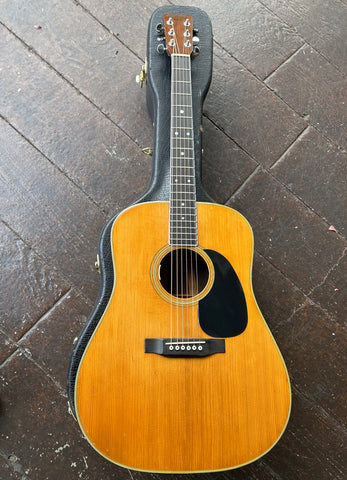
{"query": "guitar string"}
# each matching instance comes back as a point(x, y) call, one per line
point(195, 289)
point(188, 228)
point(184, 196)
point(193, 225)
point(185, 164)
point(174, 153)
point(172, 206)
point(183, 188)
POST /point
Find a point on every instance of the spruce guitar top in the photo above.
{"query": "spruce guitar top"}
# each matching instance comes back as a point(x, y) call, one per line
point(176, 370)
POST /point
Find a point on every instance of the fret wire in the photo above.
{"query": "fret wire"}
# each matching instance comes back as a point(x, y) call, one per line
point(182, 191)
point(186, 214)
point(191, 236)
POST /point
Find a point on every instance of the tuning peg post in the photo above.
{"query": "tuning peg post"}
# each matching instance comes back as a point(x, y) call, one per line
point(161, 49)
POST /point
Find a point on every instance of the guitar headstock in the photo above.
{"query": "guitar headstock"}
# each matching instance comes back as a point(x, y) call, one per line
point(178, 34)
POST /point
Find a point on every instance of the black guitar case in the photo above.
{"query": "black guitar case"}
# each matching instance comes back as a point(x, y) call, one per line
point(158, 93)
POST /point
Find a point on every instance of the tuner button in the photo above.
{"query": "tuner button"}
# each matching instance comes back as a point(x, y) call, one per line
point(195, 31)
point(196, 39)
point(159, 27)
point(196, 51)
point(161, 49)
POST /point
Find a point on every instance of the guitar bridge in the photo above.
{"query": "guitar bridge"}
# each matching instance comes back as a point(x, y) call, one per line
point(185, 347)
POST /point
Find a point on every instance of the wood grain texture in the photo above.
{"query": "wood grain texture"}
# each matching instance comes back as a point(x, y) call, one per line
point(322, 106)
point(27, 273)
point(288, 234)
point(176, 415)
point(64, 126)
point(248, 112)
point(322, 23)
point(42, 200)
point(329, 180)
point(89, 57)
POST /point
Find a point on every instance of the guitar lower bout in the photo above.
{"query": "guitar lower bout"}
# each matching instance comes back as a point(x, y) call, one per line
point(182, 413)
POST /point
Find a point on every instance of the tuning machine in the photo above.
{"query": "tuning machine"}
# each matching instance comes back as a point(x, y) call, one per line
point(161, 48)
point(160, 28)
point(161, 38)
point(196, 40)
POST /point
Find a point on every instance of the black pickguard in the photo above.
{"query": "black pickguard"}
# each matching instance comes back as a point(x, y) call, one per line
point(158, 92)
point(223, 312)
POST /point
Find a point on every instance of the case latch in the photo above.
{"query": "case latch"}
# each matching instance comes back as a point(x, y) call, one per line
point(142, 77)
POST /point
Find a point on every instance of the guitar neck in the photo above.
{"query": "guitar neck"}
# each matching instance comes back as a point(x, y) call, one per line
point(183, 220)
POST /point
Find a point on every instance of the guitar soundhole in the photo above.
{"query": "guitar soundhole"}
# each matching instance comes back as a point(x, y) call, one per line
point(183, 273)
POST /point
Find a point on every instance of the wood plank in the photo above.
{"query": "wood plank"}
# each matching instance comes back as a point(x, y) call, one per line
point(249, 32)
point(224, 165)
point(69, 130)
point(316, 171)
point(7, 346)
point(288, 234)
point(45, 208)
point(88, 55)
point(315, 89)
point(312, 446)
point(331, 294)
point(319, 377)
point(129, 22)
point(321, 23)
point(50, 342)
point(32, 287)
point(248, 112)
point(276, 295)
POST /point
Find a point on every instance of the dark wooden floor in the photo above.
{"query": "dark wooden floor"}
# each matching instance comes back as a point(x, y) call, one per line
point(72, 126)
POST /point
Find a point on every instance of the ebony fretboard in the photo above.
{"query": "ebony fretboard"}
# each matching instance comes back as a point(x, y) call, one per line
point(183, 221)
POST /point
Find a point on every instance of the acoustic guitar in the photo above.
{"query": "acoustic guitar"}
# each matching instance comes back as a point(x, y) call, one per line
point(176, 370)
